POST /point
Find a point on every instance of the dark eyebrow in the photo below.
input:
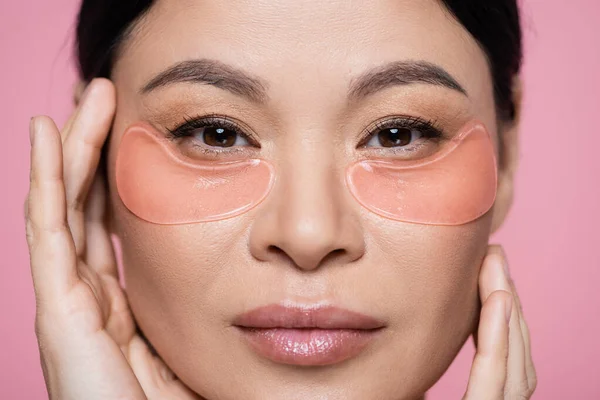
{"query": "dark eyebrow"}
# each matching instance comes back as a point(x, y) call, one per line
point(238, 82)
point(401, 73)
point(211, 72)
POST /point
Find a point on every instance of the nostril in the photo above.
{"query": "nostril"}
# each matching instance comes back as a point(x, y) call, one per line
point(337, 253)
point(275, 250)
point(304, 259)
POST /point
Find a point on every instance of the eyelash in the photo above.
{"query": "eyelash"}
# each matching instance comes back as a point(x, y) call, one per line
point(188, 127)
point(428, 128)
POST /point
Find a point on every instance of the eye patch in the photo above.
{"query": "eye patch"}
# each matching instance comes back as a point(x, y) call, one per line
point(453, 186)
point(159, 184)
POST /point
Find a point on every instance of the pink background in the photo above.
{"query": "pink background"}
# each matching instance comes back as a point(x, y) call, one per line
point(550, 236)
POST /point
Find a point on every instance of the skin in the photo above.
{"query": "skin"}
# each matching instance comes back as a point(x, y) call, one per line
point(309, 241)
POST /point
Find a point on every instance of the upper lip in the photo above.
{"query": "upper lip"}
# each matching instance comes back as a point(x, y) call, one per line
point(299, 316)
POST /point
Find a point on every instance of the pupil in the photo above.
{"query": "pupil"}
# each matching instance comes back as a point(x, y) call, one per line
point(219, 137)
point(395, 137)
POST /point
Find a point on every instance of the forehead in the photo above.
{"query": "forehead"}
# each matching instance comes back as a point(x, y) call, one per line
point(304, 49)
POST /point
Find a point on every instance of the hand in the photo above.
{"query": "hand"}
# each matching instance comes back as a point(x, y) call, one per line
point(89, 347)
point(502, 367)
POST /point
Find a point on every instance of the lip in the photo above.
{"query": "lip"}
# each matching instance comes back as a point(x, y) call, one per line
point(307, 335)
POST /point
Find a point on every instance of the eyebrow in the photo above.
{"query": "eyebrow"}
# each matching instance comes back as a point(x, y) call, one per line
point(238, 82)
point(211, 72)
point(401, 73)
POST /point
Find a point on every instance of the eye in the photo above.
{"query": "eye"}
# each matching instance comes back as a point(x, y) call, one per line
point(395, 137)
point(403, 137)
point(211, 132)
point(217, 136)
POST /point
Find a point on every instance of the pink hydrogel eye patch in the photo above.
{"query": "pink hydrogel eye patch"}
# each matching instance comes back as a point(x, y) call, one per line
point(453, 186)
point(159, 184)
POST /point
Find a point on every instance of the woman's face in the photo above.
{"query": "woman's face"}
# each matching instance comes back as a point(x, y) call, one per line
point(309, 242)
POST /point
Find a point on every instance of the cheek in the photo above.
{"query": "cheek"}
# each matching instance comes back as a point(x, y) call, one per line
point(178, 283)
point(447, 289)
point(432, 288)
point(173, 272)
point(433, 266)
point(177, 270)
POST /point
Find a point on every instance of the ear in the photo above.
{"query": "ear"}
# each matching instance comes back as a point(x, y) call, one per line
point(78, 91)
point(508, 159)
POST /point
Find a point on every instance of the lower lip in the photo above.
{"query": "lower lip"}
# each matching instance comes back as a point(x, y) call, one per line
point(308, 347)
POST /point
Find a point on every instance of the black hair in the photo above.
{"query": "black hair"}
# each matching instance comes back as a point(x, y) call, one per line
point(104, 24)
point(495, 24)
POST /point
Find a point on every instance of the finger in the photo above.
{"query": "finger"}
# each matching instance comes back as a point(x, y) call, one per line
point(140, 359)
point(530, 371)
point(516, 381)
point(79, 100)
point(82, 151)
point(156, 379)
point(119, 320)
point(489, 369)
point(64, 132)
point(51, 247)
point(100, 256)
point(493, 276)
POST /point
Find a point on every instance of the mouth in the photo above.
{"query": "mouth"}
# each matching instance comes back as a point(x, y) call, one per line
point(307, 335)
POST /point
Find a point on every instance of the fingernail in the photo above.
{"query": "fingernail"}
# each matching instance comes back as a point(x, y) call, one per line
point(508, 308)
point(31, 130)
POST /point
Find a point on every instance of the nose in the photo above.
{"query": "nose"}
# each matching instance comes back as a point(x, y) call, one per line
point(308, 219)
